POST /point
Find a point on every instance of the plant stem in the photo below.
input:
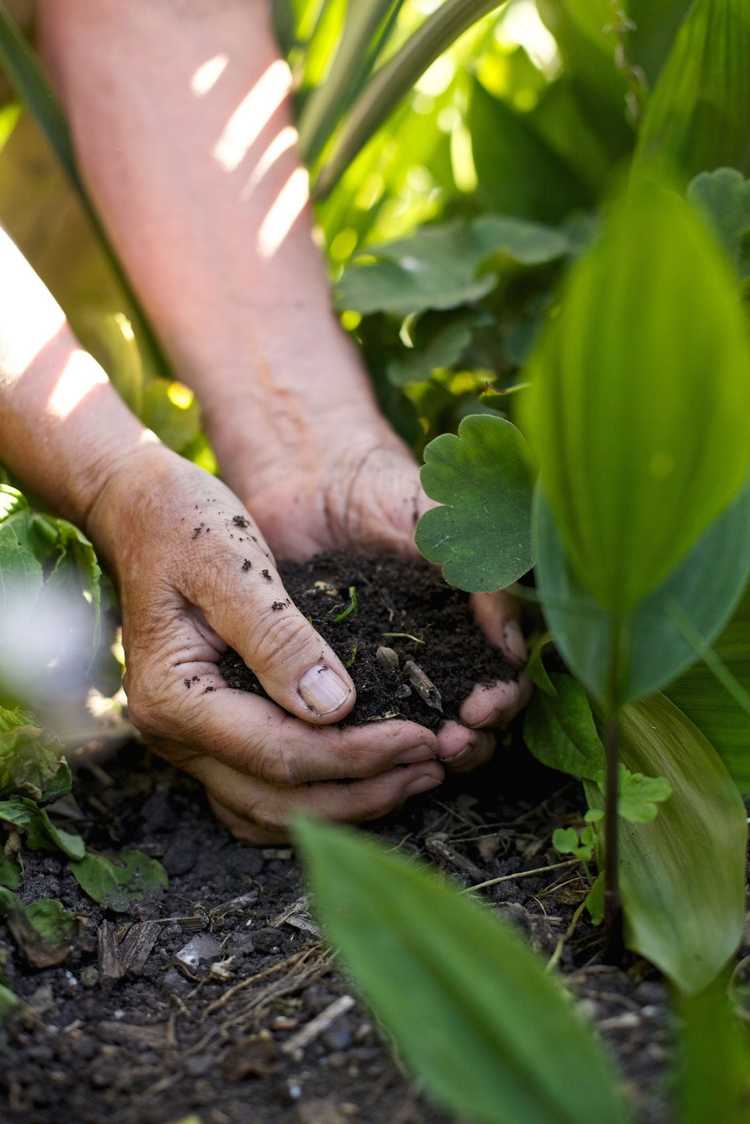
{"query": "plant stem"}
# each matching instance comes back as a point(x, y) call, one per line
point(611, 828)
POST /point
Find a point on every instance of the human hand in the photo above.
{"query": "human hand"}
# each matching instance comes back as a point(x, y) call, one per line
point(195, 576)
point(366, 495)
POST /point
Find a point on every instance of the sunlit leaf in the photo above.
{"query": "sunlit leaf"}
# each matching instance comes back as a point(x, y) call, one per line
point(639, 408)
point(698, 114)
point(469, 979)
point(481, 535)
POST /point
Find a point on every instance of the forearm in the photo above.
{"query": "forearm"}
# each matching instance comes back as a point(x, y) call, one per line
point(63, 429)
point(181, 120)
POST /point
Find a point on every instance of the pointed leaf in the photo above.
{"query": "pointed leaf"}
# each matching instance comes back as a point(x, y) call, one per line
point(703, 590)
point(682, 876)
point(639, 408)
point(560, 731)
point(710, 706)
point(471, 984)
point(698, 114)
point(482, 535)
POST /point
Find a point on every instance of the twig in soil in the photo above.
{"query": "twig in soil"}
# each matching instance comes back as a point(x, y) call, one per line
point(312, 1030)
point(269, 971)
point(554, 959)
point(437, 846)
point(520, 874)
point(423, 685)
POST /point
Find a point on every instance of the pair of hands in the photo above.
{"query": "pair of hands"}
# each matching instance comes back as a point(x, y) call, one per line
point(179, 556)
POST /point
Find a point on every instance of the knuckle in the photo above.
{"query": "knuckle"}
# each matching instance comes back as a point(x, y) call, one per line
point(281, 637)
point(273, 763)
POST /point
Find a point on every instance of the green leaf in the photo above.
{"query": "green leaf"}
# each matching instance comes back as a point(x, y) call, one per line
point(560, 731)
point(683, 875)
point(41, 833)
point(471, 1029)
point(443, 349)
point(640, 796)
point(704, 590)
point(31, 761)
point(713, 1061)
point(639, 405)
point(569, 841)
point(656, 25)
point(481, 536)
point(711, 707)
point(438, 266)
point(697, 116)
point(42, 931)
point(10, 872)
point(724, 197)
point(535, 668)
point(8, 1002)
point(177, 426)
point(51, 920)
point(395, 78)
point(117, 885)
point(518, 173)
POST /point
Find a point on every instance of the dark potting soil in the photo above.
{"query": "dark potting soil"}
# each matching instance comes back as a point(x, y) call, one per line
point(407, 639)
point(209, 1028)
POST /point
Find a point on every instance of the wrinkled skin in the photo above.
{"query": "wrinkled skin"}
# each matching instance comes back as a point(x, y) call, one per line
point(186, 596)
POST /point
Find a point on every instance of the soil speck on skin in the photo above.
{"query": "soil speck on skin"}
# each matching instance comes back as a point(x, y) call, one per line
point(266, 574)
point(403, 605)
point(277, 606)
point(240, 521)
point(246, 565)
point(197, 530)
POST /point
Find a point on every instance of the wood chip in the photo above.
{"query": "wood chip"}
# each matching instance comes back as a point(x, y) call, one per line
point(151, 1037)
point(120, 955)
point(423, 685)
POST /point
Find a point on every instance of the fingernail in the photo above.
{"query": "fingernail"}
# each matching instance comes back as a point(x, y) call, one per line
point(422, 784)
point(416, 754)
point(515, 643)
point(322, 690)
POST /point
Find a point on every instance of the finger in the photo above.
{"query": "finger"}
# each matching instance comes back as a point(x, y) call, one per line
point(262, 811)
point(251, 735)
point(498, 614)
point(238, 589)
point(461, 749)
point(495, 704)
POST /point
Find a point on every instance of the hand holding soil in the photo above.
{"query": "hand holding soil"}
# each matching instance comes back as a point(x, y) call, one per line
point(194, 576)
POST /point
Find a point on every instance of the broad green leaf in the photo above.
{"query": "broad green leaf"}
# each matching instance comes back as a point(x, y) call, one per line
point(704, 590)
point(712, 1077)
point(724, 196)
point(697, 117)
point(31, 762)
point(639, 406)
point(560, 731)
point(654, 28)
point(535, 668)
point(118, 884)
point(41, 833)
point(438, 267)
point(42, 931)
point(710, 706)
point(481, 535)
point(395, 78)
point(10, 872)
point(470, 981)
point(518, 173)
point(682, 876)
point(444, 348)
point(640, 796)
point(54, 923)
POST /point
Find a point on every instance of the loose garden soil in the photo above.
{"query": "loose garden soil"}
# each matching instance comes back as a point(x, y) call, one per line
point(217, 997)
point(407, 639)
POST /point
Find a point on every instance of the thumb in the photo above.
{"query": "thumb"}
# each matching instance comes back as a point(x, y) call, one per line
point(250, 610)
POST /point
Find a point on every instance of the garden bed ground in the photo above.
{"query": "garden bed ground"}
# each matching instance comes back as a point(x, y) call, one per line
point(217, 997)
point(214, 1039)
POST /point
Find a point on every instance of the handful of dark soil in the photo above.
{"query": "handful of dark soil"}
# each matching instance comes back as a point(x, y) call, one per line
point(408, 640)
